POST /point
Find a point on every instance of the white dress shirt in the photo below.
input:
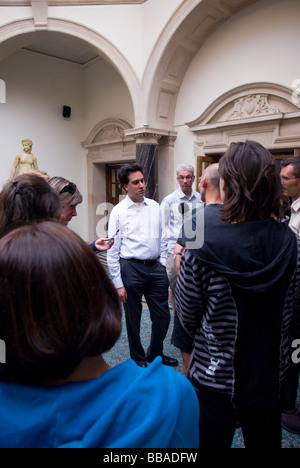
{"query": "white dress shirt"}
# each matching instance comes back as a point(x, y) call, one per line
point(172, 218)
point(139, 236)
point(294, 223)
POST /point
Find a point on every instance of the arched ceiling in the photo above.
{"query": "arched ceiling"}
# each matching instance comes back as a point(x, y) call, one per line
point(187, 31)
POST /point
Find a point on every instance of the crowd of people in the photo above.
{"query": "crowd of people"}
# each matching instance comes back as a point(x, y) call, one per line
point(227, 258)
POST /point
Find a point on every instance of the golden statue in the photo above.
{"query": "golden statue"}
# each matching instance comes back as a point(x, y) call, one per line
point(24, 160)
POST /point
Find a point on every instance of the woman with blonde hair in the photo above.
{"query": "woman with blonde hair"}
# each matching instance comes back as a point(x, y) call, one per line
point(70, 197)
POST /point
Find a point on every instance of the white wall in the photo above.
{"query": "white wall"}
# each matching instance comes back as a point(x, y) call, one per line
point(133, 29)
point(37, 87)
point(259, 44)
point(105, 96)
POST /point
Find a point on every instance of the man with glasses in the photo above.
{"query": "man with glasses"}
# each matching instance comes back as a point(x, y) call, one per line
point(290, 177)
point(175, 208)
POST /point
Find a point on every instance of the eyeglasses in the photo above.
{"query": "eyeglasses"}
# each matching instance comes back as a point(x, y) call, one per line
point(69, 188)
point(288, 178)
point(189, 177)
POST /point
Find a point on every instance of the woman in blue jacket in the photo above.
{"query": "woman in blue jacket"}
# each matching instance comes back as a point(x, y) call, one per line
point(59, 312)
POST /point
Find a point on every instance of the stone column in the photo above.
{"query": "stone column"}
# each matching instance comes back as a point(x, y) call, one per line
point(147, 155)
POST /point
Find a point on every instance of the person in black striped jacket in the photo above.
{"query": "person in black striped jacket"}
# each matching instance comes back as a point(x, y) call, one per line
point(235, 295)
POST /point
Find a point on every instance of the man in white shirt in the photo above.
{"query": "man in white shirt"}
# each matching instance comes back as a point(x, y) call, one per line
point(175, 208)
point(137, 262)
point(290, 177)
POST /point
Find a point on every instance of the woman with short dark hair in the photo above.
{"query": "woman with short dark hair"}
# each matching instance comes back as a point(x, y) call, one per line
point(27, 199)
point(59, 312)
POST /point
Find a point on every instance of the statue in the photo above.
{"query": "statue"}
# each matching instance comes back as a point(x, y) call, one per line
point(24, 160)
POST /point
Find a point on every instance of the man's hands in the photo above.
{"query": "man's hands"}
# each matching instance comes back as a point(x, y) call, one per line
point(122, 294)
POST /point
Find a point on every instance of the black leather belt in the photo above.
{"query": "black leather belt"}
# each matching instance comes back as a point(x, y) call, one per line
point(145, 262)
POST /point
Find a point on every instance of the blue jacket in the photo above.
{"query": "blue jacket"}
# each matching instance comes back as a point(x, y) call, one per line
point(127, 407)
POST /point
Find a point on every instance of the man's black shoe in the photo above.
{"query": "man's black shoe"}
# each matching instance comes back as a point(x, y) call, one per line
point(141, 363)
point(168, 361)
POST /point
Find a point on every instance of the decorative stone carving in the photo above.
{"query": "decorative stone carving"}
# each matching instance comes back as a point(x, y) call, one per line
point(252, 105)
point(109, 133)
point(263, 112)
point(151, 136)
point(40, 13)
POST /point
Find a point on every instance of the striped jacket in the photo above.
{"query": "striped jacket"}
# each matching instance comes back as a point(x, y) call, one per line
point(235, 297)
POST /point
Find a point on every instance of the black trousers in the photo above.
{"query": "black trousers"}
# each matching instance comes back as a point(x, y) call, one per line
point(218, 417)
point(152, 282)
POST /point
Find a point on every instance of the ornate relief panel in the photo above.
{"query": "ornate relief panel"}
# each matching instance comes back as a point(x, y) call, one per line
point(107, 142)
point(263, 112)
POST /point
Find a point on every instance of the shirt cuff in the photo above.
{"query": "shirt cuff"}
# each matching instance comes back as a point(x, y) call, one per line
point(118, 283)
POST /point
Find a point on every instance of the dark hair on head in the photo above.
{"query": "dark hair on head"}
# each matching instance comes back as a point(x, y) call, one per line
point(295, 162)
point(126, 170)
point(27, 199)
point(57, 304)
point(252, 186)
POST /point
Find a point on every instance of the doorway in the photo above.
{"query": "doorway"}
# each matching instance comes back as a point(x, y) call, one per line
point(114, 190)
point(204, 161)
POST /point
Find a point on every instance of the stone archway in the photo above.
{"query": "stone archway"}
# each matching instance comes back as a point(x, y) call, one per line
point(15, 35)
point(179, 42)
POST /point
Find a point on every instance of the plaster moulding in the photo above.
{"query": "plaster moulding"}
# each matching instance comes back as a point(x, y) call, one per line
point(259, 111)
point(70, 2)
point(151, 136)
point(106, 132)
point(107, 142)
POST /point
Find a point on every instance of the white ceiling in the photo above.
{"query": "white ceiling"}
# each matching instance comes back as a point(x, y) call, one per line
point(61, 46)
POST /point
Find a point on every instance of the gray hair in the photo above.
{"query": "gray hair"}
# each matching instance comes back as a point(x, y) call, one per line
point(185, 167)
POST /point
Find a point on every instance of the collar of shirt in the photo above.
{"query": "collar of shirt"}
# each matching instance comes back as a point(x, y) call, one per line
point(296, 205)
point(131, 202)
point(182, 195)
